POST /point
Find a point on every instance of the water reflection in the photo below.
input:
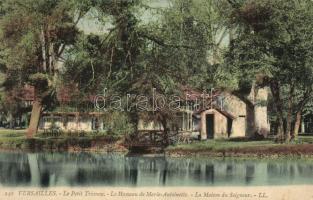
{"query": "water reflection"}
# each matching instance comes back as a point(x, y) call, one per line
point(86, 169)
point(249, 173)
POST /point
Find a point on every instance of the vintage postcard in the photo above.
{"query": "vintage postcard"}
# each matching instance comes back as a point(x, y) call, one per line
point(156, 99)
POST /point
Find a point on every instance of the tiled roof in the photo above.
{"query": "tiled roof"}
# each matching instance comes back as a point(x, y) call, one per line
point(64, 94)
point(69, 92)
point(194, 94)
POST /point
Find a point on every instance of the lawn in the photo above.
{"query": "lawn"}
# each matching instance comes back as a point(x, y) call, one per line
point(236, 147)
point(7, 135)
point(16, 140)
point(221, 144)
point(8, 132)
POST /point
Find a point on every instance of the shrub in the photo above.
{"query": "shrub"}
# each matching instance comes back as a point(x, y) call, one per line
point(118, 123)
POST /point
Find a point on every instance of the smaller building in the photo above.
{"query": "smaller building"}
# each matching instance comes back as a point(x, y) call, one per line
point(72, 121)
point(215, 123)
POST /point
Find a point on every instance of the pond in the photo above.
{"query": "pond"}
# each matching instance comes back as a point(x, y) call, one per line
point(96, 169)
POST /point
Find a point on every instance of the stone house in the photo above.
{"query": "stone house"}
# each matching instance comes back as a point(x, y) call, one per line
point(235, 118)
point(225, 116)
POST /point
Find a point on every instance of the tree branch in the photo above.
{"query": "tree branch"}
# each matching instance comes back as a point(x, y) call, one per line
point(163, 43)
point(233, 3)
point(243, 98)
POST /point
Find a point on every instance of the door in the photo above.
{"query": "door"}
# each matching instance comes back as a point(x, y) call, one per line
point(210, 126)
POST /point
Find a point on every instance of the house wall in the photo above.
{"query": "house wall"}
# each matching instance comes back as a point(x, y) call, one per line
point(46, 122)
point(237, 107)
point(83, 123)
point(220, 124)
point(246, 123)
point(238, 127)
point(149, 125)
point(72, 123)
point(185, 122)
point(234, 105)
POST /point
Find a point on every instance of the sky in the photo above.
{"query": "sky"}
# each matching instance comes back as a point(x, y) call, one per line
point(90, 24)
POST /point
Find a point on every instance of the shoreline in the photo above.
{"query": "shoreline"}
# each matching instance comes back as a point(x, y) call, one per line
point(227, 148)
point(67, 144)
point(228, 154)
point(98, 146)
point(242, 149)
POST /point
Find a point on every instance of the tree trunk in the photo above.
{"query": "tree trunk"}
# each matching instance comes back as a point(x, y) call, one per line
point(299, 109)
point(10, 119)
point(166, 132)
point(134, 119)
point(289, 114)
point(43, 50)
point(279, 108)
point(34, 118)
point(297, 125)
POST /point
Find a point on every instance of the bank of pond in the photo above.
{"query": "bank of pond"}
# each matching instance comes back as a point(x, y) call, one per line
point(302, 147)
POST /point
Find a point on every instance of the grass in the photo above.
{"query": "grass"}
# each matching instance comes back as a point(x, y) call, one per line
point(234, 147)
point(303, 145)
point(16, 139)
point(8, 132)
point(221, 144)
point(12, 136)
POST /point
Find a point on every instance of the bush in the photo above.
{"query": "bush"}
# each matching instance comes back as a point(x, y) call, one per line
point(118, 123)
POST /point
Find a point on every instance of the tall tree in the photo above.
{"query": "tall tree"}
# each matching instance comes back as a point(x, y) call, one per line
point(273, 44)
point(138, 56)
point(34, 35)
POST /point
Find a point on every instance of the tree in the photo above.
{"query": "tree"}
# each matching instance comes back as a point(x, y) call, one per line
point(138, 57)
point(273, 44)
point(34, 35)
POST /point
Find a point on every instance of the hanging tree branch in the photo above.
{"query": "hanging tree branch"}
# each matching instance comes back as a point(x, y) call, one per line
point(163, 43)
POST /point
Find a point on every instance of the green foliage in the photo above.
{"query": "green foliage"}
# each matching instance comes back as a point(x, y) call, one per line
point(118, 123)
point(135, 57)
point(185, 44)
point(39, 79)
point(273, 45)
point(34, 35)
point(33, 38)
